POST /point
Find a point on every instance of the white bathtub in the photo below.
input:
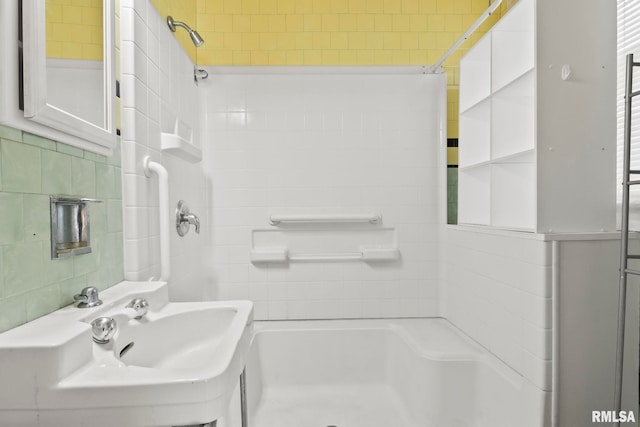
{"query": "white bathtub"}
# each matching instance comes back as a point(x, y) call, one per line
point(382, 373)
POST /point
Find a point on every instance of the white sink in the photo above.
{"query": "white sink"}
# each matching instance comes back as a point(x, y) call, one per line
point(183, 337)
point(177, 365)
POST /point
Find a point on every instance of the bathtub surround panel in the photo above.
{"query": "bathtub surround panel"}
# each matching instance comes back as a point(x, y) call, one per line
point(317, 141)
point(498, 290)
point(159, 96)
point(31, 169)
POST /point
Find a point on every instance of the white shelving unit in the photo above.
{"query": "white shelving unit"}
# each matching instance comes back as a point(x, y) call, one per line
point(527, 157)
point(497, 125)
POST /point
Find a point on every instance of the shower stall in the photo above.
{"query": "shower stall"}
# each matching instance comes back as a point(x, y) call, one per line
point(460, 311)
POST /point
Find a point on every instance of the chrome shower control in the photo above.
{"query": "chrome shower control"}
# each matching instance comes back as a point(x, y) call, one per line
point(184, 219)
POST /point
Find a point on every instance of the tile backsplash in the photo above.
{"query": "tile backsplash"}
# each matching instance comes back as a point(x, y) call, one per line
point(31, 169)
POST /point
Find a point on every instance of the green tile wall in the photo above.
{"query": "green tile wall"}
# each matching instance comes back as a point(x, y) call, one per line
point(31, 169)
point(452, 195)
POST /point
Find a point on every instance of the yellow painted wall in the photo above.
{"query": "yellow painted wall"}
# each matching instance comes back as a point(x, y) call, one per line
point(333, 32)
point(74, 29)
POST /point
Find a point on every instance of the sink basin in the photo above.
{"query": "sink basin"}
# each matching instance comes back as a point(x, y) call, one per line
point(177, 365)
point(155, 342)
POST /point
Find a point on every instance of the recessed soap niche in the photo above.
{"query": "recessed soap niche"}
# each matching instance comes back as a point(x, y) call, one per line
point(70, 226)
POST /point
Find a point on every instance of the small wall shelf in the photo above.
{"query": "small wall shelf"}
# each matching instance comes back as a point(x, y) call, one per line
point(181, 143)
point(180, 147)
point(329, 243)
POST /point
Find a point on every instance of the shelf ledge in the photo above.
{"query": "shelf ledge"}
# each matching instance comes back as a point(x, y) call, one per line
point(180, 147)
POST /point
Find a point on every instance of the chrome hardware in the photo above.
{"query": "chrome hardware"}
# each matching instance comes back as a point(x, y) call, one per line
point(140, 305)
point(195, 37)
point(70, 226)
point(244, 416)
point(87, 298)
point(103, 329)
point(199, 74)
point(184, 219)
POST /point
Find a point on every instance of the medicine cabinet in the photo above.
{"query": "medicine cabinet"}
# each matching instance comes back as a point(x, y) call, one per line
point(58, 71)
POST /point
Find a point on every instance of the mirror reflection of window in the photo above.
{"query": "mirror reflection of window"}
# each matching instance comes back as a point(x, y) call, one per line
point(75, 59)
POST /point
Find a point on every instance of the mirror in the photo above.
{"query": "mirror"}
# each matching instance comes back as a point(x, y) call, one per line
point(69, 67)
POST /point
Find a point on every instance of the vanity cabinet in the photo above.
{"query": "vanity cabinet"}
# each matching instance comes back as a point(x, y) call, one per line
point(537, 149)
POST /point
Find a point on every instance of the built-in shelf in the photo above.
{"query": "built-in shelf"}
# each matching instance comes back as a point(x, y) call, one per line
point(513, 117)
point(475, 131)
point(476, 74)
point(513, 197)
point(497, 155)
point(528, 156)
point(513, 45)
point(537, 146)
point(180, 147)
point(474, 190)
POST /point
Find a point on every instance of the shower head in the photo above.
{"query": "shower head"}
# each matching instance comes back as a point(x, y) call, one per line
point(195, 37)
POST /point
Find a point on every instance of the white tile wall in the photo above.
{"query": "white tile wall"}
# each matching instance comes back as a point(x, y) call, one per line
point(325, 143)
point(498, 290)
point(157, 89)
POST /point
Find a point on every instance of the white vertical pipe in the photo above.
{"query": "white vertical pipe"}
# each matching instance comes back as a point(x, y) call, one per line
point(555, 332)
point(165, 226)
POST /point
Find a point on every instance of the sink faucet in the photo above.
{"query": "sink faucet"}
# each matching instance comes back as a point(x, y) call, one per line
point(140, 305)
point(87, 298)
point(103, 329)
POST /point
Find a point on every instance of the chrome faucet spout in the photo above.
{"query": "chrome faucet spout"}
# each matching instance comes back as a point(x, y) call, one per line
point(87, 298)
point(103, 329)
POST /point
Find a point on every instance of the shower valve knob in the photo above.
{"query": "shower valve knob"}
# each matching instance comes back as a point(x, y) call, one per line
point(184, 219)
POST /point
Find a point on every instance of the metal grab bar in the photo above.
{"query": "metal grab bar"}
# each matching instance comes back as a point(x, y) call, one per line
point(367, 254)
point(351, 256)
point(277, 219)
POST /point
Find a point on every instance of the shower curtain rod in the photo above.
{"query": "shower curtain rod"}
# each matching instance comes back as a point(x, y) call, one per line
point(492, 7)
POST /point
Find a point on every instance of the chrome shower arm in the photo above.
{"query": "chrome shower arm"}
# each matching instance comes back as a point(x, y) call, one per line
point(195, 37)
point(173, 24)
